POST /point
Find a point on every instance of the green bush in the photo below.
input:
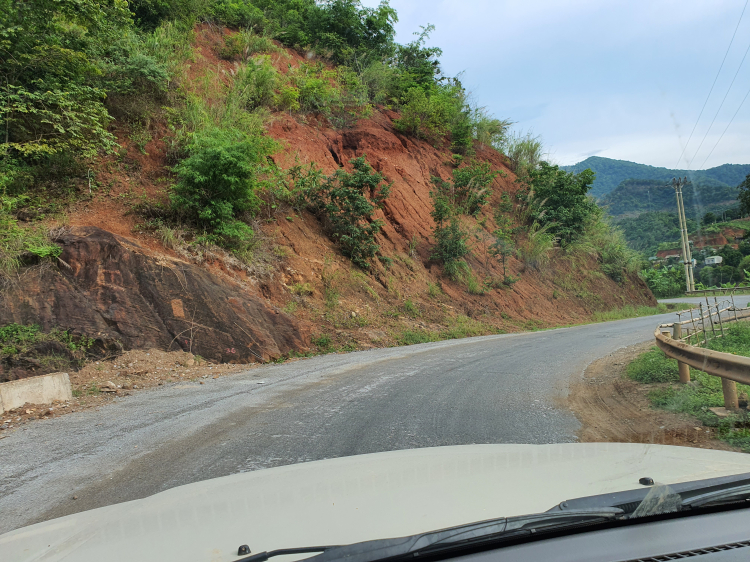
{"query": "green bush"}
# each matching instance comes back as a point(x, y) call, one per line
point(564, 205)
point(19, 246)
point(423, 116)
point(653, 366)
point(218, 182)
point(341, 200)
point(451, 248)
point(237, 13)
point(665, 282)
point(338, 94)
point(256, 82)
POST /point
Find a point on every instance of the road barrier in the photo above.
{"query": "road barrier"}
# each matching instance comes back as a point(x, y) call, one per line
point(675, 341)
point(43, 389)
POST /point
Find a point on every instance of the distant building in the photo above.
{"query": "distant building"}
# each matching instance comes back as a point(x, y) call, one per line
point(713, 260)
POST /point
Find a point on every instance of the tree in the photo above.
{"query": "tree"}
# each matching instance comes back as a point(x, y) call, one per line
point(565, 205)
point(709, 218)
point(53, 57)
point(744, 195)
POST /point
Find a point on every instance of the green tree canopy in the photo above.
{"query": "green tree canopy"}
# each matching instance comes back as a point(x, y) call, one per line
point(562, 199)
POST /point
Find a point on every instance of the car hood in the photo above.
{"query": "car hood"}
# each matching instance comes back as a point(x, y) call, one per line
point(352, 499)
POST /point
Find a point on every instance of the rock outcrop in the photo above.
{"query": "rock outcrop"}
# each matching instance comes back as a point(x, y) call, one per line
point(109, 289)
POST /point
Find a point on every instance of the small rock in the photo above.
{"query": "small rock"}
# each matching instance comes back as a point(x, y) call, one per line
point(29, 411)
point(203, 382)
point(354, 314)
point(127, 386)
point(75, 497)
point(110, 384)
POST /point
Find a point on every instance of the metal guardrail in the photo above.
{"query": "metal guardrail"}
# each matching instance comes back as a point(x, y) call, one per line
point(721, 292)
point(731, 368)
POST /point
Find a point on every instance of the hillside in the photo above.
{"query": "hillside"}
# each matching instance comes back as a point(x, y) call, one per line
point(244, 198)
point(635, 196)
point(610, 174)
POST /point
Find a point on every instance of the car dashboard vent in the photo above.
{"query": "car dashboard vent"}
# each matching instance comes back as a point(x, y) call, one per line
point(692, 553)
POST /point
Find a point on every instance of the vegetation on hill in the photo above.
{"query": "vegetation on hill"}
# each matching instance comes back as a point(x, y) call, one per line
point(635, 196)
point(611, 173)
point(88, 81)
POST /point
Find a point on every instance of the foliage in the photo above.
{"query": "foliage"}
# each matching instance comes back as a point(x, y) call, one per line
point(523, 151)
point(341, 200)
point(534, 251)
point(53, 61)
point(337, 94)
point(469, 191)
point(218, 182)
point(426, 116)
point(19, 246)
point(565, 206)
point(450, 248)
point(744, 194)
point(665, 282)
point(244, 44)
point(635, 196)
point(648, 231)
point(607, 243)
point(255, 83)
point(653, 366)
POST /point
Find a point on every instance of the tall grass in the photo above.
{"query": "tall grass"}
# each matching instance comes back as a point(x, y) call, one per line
point(535, 250)
point(607, 244)
point(524, 151)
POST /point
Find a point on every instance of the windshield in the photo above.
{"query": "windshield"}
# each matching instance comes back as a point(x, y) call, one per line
point(298, 273)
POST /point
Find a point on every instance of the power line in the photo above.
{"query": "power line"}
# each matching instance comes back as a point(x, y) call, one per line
point(722, 103)
point(727, 127)
point(712, 85)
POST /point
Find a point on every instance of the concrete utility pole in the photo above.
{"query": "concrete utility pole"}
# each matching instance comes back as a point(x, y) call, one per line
point(687, 258)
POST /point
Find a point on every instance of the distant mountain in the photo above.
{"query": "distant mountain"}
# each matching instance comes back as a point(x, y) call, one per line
point(635, 196)
point(611, 173)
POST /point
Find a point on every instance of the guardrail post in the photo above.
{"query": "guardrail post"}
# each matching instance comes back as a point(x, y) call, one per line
point(729, 388)
point(683, 368)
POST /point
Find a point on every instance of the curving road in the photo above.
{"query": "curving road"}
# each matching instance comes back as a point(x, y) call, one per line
point(493, 389)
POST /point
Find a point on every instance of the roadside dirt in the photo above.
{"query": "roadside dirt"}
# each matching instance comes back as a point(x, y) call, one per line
point(615, 409)
point(101, 382)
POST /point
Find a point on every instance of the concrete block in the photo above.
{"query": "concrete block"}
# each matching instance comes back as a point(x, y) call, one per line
point(35, 390)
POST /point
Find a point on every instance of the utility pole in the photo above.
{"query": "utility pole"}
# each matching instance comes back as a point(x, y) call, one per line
point(687, 258)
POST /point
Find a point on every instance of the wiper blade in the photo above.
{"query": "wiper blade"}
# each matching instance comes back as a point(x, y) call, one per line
point(718, 497)
point(455, 537)
point(263, 556)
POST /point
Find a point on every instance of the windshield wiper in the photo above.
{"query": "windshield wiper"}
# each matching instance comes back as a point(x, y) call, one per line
point(452, 538)
point(719, 497)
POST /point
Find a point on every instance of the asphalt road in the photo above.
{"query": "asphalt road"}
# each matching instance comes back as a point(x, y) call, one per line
point(493, 389)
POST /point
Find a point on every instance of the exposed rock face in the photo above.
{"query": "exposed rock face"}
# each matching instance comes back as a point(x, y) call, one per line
point(124, 298)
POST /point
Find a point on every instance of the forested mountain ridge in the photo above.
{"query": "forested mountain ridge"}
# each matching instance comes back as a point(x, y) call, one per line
point(610, 173)
point(635, 196)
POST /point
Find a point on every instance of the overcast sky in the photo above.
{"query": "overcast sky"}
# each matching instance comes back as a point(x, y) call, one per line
point(621, 79)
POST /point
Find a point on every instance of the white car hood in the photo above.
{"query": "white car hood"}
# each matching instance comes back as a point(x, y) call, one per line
point(352, 499)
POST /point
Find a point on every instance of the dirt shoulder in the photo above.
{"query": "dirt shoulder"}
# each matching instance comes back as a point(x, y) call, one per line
point(613, 408)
